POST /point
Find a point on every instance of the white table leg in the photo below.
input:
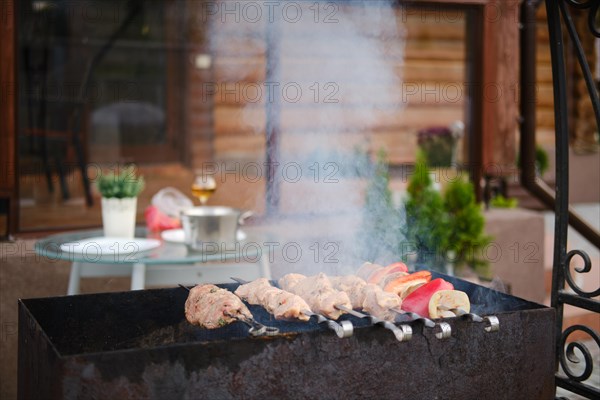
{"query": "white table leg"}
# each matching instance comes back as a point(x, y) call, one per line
point(138, 276)
point(74, 278)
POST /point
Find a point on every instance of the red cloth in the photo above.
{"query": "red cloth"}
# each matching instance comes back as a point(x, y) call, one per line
point(158, 221)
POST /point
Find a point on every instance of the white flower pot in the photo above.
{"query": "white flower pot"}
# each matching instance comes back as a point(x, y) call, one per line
point(118, 217)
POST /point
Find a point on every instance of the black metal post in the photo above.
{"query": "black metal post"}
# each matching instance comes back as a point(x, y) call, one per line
point(529, 180)
point(562, 159)
point(563, 284)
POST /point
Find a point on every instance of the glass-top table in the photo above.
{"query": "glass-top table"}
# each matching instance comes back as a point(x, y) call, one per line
point(154, 262)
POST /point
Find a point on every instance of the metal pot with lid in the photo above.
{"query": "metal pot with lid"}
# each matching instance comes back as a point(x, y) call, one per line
point(215, 224)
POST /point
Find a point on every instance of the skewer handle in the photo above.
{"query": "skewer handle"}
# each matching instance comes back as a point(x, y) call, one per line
point(404, 333)
point(342, 330)
point(492, 324)
point(415, 317)
point(443, 329)
point(256, 328)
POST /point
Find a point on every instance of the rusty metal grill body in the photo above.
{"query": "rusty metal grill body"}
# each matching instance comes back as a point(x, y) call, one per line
point(139, 345)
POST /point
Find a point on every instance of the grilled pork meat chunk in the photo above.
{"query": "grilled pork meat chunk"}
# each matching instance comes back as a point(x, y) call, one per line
point(252, 292)
point(318, 292)
point(211, 307)
point(353, 286)
point(369, 297)
point(379, 302)
point(289, 281)
point(282, 304)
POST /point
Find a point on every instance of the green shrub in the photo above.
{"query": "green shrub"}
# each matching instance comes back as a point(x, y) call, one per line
point(437, 225)
point(503, 202)
point(121, 184)
point(466, 224)
point(541, 160)
point(426, 221)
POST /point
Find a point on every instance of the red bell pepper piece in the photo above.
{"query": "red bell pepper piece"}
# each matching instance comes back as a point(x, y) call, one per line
point(418, 301)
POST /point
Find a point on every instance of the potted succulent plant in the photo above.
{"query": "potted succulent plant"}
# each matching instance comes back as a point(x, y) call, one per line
point(119, 190)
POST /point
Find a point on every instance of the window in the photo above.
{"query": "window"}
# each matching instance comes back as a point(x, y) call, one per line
point(177, 86)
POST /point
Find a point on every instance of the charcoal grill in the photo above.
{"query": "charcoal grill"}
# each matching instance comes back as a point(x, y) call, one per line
point(138, 345)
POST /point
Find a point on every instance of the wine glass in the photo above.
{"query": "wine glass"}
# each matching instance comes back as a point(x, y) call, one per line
point(203, 187)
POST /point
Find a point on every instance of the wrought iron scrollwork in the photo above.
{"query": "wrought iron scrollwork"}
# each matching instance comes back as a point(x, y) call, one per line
point(569, 354)
point(587, 267)
point(558, 14)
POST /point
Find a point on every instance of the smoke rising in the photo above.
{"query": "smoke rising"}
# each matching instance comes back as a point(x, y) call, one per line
point(336, 80)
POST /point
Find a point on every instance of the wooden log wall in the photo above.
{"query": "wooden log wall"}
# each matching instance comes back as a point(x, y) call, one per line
point(545, 97)
point(584, 131)
point(581, 118)
point(429, 87)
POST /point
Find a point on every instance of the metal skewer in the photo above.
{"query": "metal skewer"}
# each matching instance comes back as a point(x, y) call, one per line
point(491, 323)
point(402, 333)
point(342, 330)
point(443, 330)
point(256, 328)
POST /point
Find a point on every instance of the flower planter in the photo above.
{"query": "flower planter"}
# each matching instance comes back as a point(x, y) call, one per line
point(440, 151)
point(118, 217)
point(439, 144)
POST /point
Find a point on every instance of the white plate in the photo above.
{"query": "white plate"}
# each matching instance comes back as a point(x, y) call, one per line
point(178, 236)
point(107, 246)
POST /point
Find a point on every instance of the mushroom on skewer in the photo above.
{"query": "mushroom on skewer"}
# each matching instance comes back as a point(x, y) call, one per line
point(439, 299)
point(396, 279)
